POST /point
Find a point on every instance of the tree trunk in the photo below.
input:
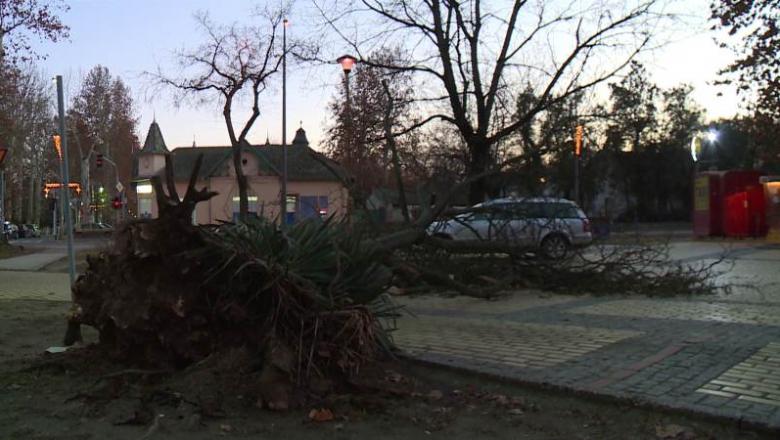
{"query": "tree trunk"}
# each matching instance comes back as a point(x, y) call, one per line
point(18, 199)
point(37, 197)
point(29, 215)
point(243, 204)
point(478, 164)
point(391, 146)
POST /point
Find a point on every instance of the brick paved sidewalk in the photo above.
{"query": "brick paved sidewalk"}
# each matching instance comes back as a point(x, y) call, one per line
point(713, 357)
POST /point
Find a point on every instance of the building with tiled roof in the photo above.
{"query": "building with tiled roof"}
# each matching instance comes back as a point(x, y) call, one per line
point(314, 182)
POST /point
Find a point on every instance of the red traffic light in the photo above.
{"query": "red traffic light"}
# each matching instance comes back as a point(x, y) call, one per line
point(99, 160)
point(116, 203)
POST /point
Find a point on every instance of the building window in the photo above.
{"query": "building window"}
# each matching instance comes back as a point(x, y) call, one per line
point(144, 207)
point(292, 208)
point(292, 203)
point(314, 206)
point(252, 208)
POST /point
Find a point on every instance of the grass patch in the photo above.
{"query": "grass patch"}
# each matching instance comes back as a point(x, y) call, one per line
point(61, 265)
point(9, 251)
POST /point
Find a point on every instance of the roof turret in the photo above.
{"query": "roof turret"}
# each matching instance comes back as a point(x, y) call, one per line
point(154, 142)
point(300, 137)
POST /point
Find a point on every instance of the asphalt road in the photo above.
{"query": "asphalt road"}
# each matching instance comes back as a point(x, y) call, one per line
point(752, 267)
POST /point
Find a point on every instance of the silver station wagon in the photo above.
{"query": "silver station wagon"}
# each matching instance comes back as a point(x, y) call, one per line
point(551, 226)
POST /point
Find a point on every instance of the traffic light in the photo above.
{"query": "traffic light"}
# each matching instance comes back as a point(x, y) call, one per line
point(116, 203)
point(99, 160)
point(58, 145)
point(578, 141)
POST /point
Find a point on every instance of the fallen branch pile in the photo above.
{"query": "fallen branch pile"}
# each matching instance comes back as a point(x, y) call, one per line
point(484, 269)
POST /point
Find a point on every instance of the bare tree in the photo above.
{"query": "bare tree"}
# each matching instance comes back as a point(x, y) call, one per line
point(472, 56)
point(234, 62)
point(102, 121)
point(26, 128)
point(21, 18)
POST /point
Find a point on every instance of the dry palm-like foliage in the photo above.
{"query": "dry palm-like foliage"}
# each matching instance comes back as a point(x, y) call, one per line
point(305, 301)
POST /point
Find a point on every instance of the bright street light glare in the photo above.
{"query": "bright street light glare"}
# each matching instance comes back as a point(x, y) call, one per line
point(712, 136)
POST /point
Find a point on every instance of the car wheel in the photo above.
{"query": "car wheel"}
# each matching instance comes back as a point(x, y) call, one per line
point(555, 247)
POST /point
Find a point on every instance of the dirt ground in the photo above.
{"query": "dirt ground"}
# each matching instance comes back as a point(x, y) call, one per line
point(81, 395)
point(8, 250)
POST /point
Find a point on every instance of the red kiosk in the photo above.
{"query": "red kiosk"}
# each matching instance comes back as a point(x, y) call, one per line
point(772, 200)
point(730, 203)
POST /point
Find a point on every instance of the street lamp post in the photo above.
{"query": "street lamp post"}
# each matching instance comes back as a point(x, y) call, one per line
point(283, 201)
point(347, 64)
point(697, 146)
point(119, 189)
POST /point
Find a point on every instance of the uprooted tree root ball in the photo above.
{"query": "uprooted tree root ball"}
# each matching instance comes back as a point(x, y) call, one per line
point(305, 302)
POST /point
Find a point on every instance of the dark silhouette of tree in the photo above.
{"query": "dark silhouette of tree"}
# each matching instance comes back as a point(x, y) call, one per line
point(754, 35)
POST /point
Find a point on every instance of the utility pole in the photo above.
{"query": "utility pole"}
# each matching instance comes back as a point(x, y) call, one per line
point(73, 332)
point(119, 189)
point(65, 180)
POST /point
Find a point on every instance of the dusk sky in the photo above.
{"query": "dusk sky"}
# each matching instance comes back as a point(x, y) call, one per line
point(130, 37)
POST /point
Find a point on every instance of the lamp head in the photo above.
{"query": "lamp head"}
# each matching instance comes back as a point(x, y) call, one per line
point(347, 63)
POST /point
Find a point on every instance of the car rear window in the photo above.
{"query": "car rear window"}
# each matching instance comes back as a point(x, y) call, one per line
point(560, 210)
point(542, 210)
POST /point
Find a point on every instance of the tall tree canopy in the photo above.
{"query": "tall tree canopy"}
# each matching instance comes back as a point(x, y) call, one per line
point(20, 19)
point(356, 132)
point(754, 30)
point(26, 124)
point(102, 121)
point(471, 57)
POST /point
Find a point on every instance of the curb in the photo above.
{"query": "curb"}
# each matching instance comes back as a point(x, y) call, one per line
point(641, 402)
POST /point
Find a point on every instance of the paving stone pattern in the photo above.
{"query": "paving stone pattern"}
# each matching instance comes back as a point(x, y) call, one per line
point(689, 310)
point(757, 379)
point(673, 353)
point(509, 343)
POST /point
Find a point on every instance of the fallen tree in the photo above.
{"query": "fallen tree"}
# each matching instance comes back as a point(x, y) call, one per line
point(305, 302)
